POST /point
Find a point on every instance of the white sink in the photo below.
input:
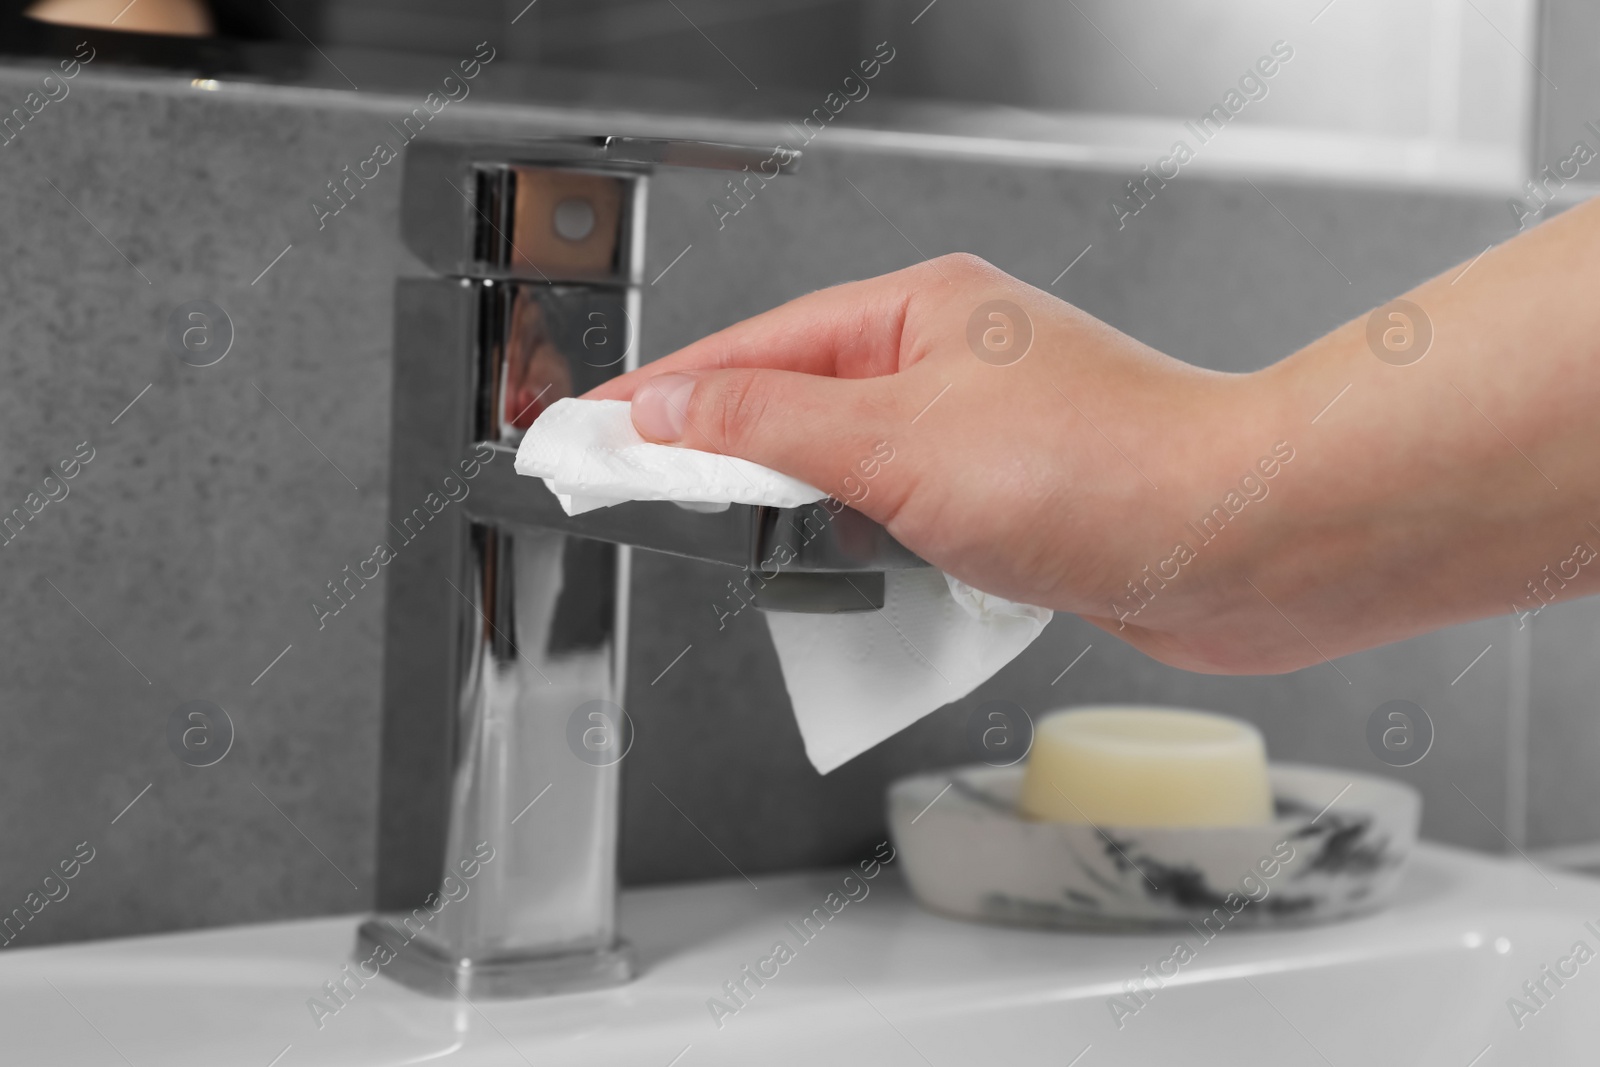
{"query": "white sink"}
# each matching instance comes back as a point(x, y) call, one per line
point(884, 982)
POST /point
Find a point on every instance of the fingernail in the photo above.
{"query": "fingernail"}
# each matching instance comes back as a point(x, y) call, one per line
point(661, 407)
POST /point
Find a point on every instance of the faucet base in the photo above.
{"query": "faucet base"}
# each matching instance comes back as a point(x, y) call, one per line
point(420, 965)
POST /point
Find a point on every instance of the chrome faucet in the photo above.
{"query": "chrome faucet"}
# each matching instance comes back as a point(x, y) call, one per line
point(506, 622)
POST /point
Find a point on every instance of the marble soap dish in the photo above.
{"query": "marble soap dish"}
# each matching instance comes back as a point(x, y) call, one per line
point(1335, 848)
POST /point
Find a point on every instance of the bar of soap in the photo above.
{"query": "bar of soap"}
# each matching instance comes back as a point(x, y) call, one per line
point(1145, 766)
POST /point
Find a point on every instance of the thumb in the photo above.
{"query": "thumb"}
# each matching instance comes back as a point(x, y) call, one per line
point(828, 432)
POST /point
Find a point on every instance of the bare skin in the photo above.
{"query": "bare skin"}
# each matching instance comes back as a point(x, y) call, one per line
point(1461, 485)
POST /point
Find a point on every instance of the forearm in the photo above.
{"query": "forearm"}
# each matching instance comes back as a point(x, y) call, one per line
point(1461, 485)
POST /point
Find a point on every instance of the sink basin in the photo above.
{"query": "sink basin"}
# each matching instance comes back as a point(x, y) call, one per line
point(882, 982)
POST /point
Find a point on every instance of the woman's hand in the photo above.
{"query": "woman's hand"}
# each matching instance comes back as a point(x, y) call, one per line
point(1430, 463)
point(1052, 475)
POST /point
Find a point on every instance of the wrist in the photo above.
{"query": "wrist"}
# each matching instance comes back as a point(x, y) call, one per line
point(1199, 602)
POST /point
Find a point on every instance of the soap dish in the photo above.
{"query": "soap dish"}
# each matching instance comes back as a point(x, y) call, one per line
point(1335, 848)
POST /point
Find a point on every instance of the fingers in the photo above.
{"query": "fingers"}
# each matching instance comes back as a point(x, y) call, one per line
point(848, 331)
point(855, 330)
point(818, 429)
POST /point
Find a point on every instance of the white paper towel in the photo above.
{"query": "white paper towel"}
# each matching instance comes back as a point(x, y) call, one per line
point(857, 679)
point(853, 679)
point(590, 456)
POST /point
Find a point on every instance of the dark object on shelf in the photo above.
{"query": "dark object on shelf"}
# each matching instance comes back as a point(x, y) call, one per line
point(248, 44)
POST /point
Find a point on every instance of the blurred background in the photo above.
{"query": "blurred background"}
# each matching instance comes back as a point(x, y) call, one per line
point(1393, 141)
point(1435, 86)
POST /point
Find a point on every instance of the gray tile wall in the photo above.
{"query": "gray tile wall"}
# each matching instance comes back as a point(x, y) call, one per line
point(1564, 749)
point(182, 562)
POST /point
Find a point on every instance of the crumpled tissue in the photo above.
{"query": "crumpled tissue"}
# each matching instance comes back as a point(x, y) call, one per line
point(853, 679)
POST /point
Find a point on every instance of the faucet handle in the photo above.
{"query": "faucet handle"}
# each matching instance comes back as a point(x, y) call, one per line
point(822, 538)
point(821, 558)
point(818, 594)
